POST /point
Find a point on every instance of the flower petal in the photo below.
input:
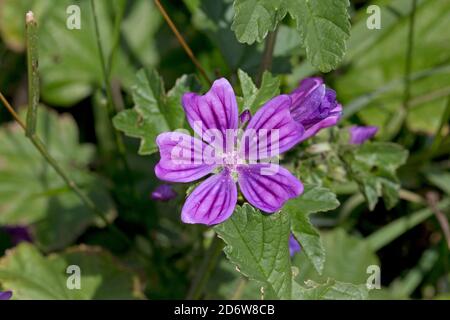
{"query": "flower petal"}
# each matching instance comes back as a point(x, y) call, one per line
point(245, 117)
point(163, 192)
point(212, 202)
point(6, 295)
point(268, 186)
point(271, 130)
point(331, 120)
point(182, 158)
point(359, 134)
point(18, 233)
point(217, 109)
point(307, 99)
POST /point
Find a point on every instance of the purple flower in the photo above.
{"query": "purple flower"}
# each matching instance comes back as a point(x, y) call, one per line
point(230, 156)
point(18, 234)
point(163, 192)
point(245, 117)
point(359, 134)
point(294, 246)
point(5, 295)
point(314, 106)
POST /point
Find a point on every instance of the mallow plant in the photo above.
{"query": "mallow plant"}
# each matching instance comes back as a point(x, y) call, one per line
point(227, 184)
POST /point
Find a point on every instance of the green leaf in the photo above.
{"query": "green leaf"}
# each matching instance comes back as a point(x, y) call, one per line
point(373, 166)
point(31, 276)
point(154, 111)
point(331, 290)
point(253, 19)
point(31, 192)
point(140, 28)
point(258, 245)
point(214, 18)
point(254, 98)
point(69, 60)
point(314, 199)
point(324, 27)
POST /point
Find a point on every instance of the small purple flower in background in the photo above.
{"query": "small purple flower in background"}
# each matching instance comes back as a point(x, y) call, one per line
point(294, 246)
point(163, 192)
point(18, 234)
point(245, 117)
point(359, 134)
point(5, 295)
point(214, 200)
point(314, 106)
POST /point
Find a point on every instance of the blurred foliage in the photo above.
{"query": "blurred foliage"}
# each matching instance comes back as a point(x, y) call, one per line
point(32, 276)
point(33, 194)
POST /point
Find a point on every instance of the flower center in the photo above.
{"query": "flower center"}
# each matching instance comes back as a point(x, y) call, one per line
point(231, 160)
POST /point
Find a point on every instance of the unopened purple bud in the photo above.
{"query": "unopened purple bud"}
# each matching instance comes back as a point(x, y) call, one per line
point(163, 192)
point(294, 246)
point(359, 134)
point(5, 295)
point(245, 116)
point(18, 234)
point(314, 106)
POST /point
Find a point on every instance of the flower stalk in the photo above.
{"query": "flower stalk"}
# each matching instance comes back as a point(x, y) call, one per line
point(182, 42)
point(33, 76)
point(266, 62)
point(109, 95)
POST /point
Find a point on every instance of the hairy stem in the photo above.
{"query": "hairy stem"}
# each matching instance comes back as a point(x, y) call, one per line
point(181, 40)
point(206, 269)
point(33, 76)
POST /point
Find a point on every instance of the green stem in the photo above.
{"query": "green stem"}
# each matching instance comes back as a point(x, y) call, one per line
point(33, 76)
point(266, 62)
point(120, 11)
point(206, 269)
point(409, 55)
point(109, 96)
point(393, 230)
point(397, 120)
